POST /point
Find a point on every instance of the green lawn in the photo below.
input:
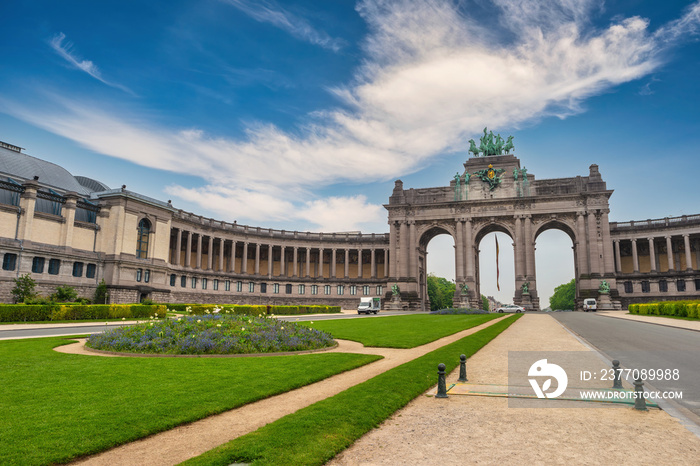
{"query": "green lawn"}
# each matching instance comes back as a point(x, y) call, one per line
point(55, 407)
point(317, 433)
point(400, 331)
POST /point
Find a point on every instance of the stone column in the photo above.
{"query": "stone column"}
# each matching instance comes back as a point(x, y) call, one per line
point(593, 252)
point(635, 258)
point(295, 258)
point(518, 254)
point(244, 261)
point(607, 250)
point(652, 254)
point(320, 262)
point(669, 253)
point(199, 251)
point(269, 260)
point(373, 264)
point(308, 263)
point(283, 262)
point(529, 250)
point(347, 263)
point(232, 265)
point(391, 267)
point(69, 224)
point(333, 259)
point(27, 204)
point(686, 245)
point(221, 254)
point(257, 258)
point(618, 259)
point(403, 246)
point(581, 244)
point(210, 253)
point(459, 251)
point(469, 250)
point(178, 247)
point(412, 250)
point(188, 252)
point(387, 258)
point(359, 263)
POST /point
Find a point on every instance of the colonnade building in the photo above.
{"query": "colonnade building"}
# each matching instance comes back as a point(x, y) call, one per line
point(73, 230)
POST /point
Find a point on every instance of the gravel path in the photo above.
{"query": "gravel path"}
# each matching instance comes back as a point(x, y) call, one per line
point(484, 430)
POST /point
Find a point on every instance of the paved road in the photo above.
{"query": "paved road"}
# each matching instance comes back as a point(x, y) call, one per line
point(49, 330)
point(640, 345)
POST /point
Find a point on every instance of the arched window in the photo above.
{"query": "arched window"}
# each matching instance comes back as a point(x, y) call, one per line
point(142, 239)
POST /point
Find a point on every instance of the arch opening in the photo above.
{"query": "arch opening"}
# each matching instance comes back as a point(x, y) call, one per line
point(496, 279)
point(437, 258)
point(554, 260)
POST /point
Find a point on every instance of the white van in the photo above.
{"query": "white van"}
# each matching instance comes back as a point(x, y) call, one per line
point(369, 305)
point(589, 304)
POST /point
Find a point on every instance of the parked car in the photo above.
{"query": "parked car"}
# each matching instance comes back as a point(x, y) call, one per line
point(589, 304)
point(510, 308)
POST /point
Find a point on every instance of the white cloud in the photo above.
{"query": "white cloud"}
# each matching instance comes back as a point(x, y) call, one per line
point(431, 79)
point(267, 11)
point(65, 51)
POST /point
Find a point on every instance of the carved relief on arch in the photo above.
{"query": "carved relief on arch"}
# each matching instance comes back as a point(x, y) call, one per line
point(483, 228)
point(427, 231)
point(565, 223)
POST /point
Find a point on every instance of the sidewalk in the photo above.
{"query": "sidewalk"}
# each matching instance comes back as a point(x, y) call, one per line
point(665, 321)
point(484, 430)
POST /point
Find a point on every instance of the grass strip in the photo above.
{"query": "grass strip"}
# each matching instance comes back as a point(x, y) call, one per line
point(693, 319)
point(400, 331)
point(315, 434)
point(55, 407)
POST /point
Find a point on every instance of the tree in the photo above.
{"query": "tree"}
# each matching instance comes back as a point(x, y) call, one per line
point(484, 303)
point(101, 293)
point(65, 294)
point(440, 291)
point(563, 297)
point(24, 288)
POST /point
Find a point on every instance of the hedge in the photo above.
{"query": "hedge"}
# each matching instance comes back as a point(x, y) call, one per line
point(667, 308)
point(46, 312)
point(251, 309)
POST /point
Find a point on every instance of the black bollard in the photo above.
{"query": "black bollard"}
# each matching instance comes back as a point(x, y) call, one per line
point(639, 402)
point(462, 369)
point(617, 381)
point(442, 389)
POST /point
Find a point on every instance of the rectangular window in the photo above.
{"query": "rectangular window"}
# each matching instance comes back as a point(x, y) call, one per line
point(353, 289)
point(204, 283)
point(216, 285)
point(263, 287)
point(365, 290)
point(645, 286)
point(697, 284)
point(251, 287)
point(276, 288)
point(173, 279)
point(379, 290)
point(38, 265)
point(54, 266)
point(326, 289)
point(194, 282)
point(9, 261)
point(227, 285)
point(139, 274)
point(663, 286)
point(239, 286)
point(302, 289)
point(628, 287)
point(91, 269)
point(680, 285)
point(340, 290)
point(314, 289)
point(77, 269)
point(183, 281)
point(147, 276)
point(288, 289)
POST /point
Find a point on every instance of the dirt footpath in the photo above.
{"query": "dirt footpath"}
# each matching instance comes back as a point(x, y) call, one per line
point(484, 430)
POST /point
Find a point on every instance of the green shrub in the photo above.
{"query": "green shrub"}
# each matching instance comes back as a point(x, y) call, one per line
point(33, 313)
point(101, 293)
point(253, 309)
point(24, 288)
point(65, 294)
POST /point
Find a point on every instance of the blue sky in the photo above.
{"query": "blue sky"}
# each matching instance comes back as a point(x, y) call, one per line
point(300, 114)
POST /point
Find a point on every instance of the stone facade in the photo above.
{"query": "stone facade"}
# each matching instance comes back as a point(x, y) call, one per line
point(144, 248)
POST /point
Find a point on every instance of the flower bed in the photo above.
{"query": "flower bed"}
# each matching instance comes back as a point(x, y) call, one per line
point(211, 334)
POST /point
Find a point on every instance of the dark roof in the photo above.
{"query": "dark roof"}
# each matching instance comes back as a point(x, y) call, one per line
point(24, 167)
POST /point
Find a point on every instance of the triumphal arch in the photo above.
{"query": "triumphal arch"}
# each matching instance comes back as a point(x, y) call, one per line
point(496, 193)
